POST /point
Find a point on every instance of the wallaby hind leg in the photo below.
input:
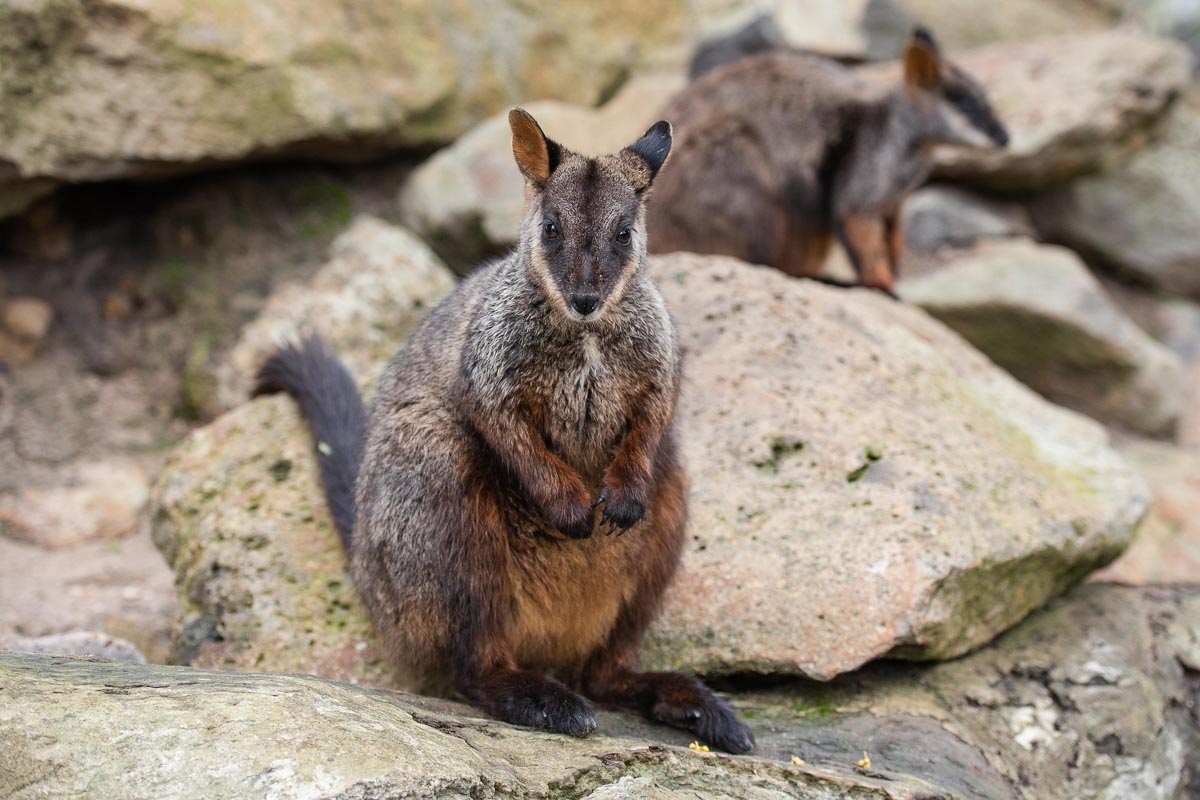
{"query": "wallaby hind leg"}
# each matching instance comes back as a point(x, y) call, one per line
point(611, 675)
point(484, 670)
point(865, 239)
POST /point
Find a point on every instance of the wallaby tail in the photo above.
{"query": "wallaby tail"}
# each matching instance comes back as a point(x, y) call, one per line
point(330, 402)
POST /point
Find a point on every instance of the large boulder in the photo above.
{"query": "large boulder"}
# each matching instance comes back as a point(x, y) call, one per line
point(1139, 219)
point(1072, 104)
point(1091, 698)
point(863, 483)
point(133, 88)
point(468, 199)
point(380, 280)
point(1037, 311)
point(1167, 547)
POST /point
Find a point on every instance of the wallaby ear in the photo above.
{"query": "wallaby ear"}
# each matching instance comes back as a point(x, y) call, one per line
point(922, 61)
point(652, 149)
point(536, 155)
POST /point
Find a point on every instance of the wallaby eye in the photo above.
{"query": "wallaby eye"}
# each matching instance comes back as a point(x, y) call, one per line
point(624, 236)
point(549, 229)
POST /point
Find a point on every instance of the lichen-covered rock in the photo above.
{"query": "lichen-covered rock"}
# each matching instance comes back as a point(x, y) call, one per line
point(119, 88)
point(1037, 311)
point(1072, 104)
point(468, 199)
point(1167, 547)
point(863, 483)
point(380, 280)
point(1090, 698)
point(1140, 218)
point(261, 575)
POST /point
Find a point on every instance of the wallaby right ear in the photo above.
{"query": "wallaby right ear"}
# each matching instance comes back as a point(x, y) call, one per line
point(652, 149)
point(536, 155)
point(922, 61)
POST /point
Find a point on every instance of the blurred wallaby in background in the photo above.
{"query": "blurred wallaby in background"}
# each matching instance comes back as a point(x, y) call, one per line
point(779, 152)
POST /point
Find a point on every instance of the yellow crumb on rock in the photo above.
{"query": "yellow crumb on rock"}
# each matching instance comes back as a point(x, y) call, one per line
point(865, 761)
point(797, 761)
point(699, 748)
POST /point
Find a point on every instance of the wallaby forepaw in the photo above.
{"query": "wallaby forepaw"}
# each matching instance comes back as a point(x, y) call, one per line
point(711, 719)
point(574, 520)
point(622, 509)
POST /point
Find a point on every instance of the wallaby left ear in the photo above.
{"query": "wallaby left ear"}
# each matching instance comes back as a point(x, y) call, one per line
point(652, 149)
point(535, 153)
point(922, 61)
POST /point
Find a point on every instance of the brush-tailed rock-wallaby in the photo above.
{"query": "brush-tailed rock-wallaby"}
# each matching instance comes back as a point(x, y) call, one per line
point(514, 507)
point(776, 154)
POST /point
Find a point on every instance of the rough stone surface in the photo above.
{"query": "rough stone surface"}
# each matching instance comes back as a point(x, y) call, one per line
point(379, 281)
point(1038, 312)
point(99, 500)
point(1139, 219)
point(1072, 104)
point(863, 484)
point(27, 318)
point(935, 217)
point(1167, 546)
point(1091, 698)
point(119, 88)
point(468, 199)
point(89, 644)
point(961, 24)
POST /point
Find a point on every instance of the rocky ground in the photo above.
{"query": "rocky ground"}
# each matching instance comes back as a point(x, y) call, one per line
point(873, 483)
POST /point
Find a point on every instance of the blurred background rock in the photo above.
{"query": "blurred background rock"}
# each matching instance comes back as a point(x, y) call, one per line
point(181, 182)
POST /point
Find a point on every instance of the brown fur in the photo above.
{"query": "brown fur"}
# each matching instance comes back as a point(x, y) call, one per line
point(520, 507)
point(778, 153)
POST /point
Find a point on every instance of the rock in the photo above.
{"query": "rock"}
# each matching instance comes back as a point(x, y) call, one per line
point(260, 573)
point(964, 24)
point(89, 644)
point(1088, 699)
point(861, 482)
point(99, 500)
point(941, 216)
point(137, 88)
point(1140, 218)
point(1164, 17)
point(379, 282)
point(27, 318)
point(468, 199)
point(1038, 312)
point(1167, 547)
point(1072, 104)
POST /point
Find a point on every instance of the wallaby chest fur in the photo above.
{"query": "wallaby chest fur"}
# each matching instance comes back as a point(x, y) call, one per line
point(496, 342)
point(518, 505)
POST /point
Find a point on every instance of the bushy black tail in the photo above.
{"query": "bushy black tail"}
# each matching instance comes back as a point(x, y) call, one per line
point(330, 402)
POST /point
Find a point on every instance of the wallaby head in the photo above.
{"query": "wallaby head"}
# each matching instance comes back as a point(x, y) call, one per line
point(953, 106)
point(584, 230)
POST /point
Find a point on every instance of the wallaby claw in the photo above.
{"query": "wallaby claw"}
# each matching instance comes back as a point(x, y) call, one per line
point(603, 498)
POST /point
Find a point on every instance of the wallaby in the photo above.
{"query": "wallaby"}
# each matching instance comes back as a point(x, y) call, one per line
point(520, 506)
point(777, 153)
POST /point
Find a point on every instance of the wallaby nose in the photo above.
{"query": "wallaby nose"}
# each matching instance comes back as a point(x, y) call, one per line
point(585, 302)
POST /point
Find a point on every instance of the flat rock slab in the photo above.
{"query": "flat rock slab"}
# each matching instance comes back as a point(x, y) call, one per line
point(138, 88)
point(1089, 698)
point(863, 483)
point(1038, 312)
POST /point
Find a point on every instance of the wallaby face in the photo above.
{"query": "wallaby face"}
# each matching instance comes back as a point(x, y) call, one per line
point(953, 104)
point(584, 226)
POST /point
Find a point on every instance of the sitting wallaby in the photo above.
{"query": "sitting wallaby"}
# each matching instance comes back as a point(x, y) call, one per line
point(777, 153)
point(520, 507)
